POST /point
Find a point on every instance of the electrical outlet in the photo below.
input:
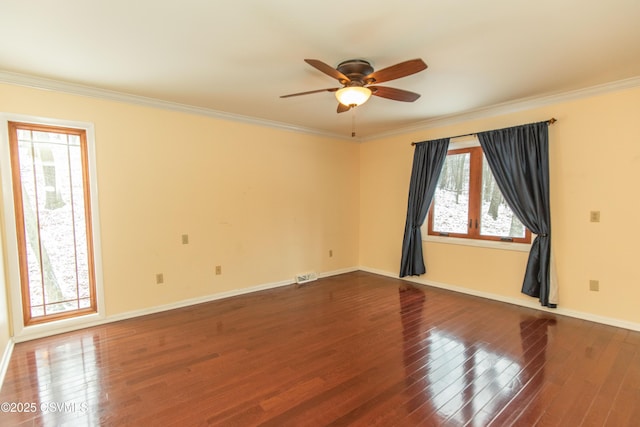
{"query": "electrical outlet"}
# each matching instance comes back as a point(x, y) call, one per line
point(218, 270)
point(594, 216)
point(159, 278)
point(185, 239)
point(594, 285)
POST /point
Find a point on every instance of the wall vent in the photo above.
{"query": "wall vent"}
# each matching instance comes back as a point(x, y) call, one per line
point(306, 277)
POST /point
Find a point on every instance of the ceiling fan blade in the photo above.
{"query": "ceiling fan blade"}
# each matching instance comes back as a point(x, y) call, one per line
point(393, 93)
point(333, 89)
point(342, 108)
point(328, 70)
point(397, 71)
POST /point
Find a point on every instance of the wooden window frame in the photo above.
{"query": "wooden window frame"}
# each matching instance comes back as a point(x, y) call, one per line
point(475, 203)
point(28, 320)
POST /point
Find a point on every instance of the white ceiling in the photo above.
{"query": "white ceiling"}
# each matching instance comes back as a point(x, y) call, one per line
point(239, 56)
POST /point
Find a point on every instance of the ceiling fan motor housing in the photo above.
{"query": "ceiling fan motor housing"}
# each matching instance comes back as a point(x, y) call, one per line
point(356, 70)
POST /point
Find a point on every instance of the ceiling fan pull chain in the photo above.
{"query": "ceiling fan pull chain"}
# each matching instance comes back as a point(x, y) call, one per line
point(353, 123)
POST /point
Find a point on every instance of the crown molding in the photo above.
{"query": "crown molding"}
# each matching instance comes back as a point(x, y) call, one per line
point(93, 92)
point(511, 107)
point(479, 113)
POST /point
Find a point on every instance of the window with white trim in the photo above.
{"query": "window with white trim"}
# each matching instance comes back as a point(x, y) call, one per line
point(53, 221)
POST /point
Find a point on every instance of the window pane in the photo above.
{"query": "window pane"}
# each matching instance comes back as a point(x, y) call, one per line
point(497, 218)
point(30, 215)
point(56, 270)
point(451, 200)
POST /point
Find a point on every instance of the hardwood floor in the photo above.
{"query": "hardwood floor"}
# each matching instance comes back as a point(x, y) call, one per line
point(356, 349)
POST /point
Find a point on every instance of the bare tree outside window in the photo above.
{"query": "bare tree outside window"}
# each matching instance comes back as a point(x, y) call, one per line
point(468, 202)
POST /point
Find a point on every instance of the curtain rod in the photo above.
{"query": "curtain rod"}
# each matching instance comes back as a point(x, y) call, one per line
point(549, 122)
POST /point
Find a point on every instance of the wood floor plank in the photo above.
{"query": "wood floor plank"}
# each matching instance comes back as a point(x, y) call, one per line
point(625, 409)
point(351, 350)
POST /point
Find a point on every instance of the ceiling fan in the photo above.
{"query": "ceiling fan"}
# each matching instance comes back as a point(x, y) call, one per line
point(357, 77)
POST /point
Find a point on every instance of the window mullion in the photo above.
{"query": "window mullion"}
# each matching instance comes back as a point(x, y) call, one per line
point(475, 183)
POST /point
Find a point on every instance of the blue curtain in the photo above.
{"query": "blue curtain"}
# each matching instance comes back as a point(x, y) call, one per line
point(428, 159)
point(519, 160)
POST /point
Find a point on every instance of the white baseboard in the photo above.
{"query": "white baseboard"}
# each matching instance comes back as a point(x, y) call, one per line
point(26, 336)
point(8, 351)
point(619, 323)
point(220, 295)
point(337, 272)
point(6, 358)
point(31, 335)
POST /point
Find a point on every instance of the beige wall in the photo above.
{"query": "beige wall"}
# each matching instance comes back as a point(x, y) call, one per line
point(264, 204)
point(595, 165)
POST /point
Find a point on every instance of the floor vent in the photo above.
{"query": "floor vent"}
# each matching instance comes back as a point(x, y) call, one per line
point(306, 277)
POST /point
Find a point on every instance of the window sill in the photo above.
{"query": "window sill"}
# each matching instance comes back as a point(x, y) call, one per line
point(490, 244)
point(54, 327)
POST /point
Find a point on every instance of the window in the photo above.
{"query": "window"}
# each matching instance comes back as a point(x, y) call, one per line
point(468, 203)
point(53, 221)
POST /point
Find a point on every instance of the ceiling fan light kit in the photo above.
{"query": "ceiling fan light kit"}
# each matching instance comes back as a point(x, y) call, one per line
point(357, 77)
point(353, 96)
